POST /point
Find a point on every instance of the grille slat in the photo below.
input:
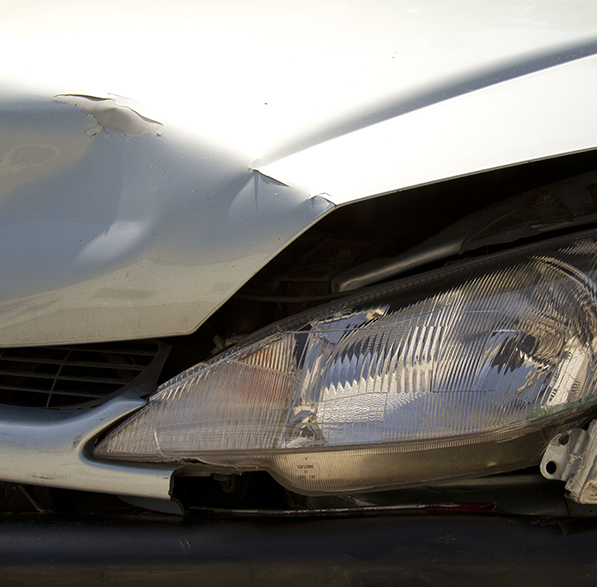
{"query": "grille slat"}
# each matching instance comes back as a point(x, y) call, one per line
point(44, 391)
point(76, 363)
point(73, 376)
point(107, 380)
point(141, 353)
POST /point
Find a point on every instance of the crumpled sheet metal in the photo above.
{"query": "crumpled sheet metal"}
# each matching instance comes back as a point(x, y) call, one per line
point(112, 231)
point(114, 226)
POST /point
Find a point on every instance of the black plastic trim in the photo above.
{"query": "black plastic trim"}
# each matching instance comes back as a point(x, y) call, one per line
point(429, 549)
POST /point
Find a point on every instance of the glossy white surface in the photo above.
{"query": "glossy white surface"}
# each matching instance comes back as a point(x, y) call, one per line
point(108, 235)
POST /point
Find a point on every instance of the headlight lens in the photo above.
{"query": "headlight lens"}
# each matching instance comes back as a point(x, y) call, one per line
point(463, 371)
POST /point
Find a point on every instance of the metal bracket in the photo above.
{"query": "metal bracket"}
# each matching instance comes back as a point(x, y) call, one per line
point(572, 457)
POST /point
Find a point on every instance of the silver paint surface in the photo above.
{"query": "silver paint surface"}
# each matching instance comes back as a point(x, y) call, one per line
point(53, 448)
point(269, 116)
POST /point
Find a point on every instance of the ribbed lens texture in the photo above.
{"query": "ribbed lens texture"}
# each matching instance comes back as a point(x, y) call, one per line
point(461, 363)
point(474, 350)
point(234, 404)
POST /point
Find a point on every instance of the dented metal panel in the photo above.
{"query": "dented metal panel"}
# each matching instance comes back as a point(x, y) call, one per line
point(153, 157)
point(113, 231)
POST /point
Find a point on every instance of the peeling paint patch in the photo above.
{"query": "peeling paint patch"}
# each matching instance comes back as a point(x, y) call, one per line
point(109, 114)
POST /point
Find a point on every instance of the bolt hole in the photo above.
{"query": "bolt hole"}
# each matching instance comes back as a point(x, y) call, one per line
point(551, 467)
point(563, 440)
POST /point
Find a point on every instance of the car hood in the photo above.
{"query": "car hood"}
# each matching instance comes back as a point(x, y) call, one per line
point(154, 156)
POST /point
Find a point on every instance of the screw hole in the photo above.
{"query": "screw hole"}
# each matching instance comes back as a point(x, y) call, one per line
point(563, 440)
point(551, 467)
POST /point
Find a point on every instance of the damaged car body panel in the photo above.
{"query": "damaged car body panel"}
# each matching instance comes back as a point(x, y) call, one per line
point(190, 192)
point(132, 226)
point(201, 210)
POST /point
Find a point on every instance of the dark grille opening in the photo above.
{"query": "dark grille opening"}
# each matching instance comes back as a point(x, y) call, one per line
point(77, 375)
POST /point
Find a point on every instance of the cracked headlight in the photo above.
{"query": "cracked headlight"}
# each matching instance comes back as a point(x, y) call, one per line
point(464, 371)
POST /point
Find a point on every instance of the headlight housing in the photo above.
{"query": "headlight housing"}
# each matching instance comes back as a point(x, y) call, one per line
point(466, 370)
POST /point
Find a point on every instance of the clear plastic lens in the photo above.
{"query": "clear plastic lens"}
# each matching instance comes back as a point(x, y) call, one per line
point(410, 382)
